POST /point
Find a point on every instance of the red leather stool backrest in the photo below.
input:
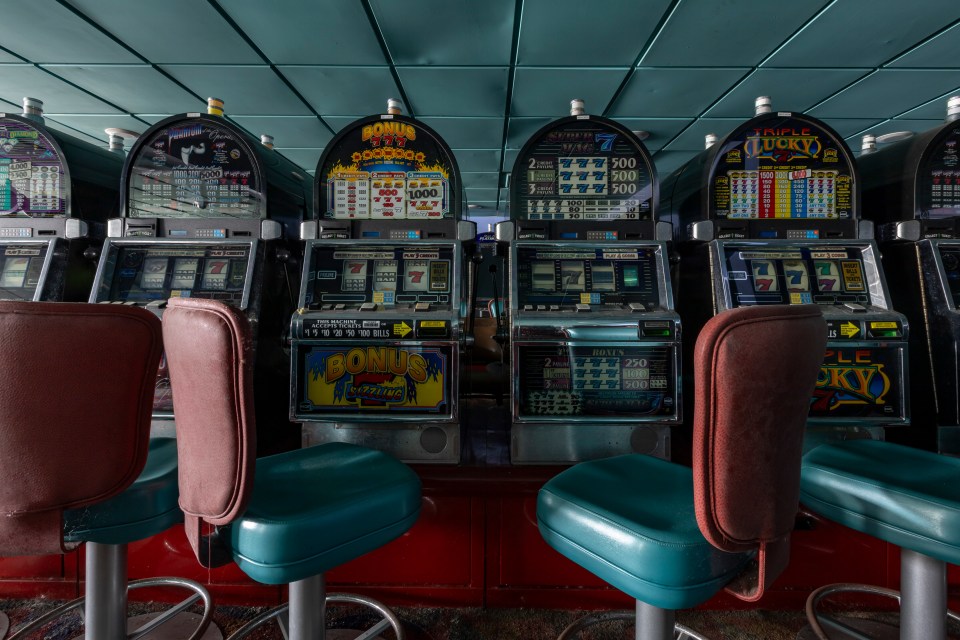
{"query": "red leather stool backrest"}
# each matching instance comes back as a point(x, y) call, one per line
point(209, 353)
point(755, 370)
point(76, 392)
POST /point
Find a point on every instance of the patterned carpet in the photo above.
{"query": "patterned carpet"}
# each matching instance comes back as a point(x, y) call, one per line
point(464, 624)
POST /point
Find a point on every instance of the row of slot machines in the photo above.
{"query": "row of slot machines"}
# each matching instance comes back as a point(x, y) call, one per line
point(361, 284)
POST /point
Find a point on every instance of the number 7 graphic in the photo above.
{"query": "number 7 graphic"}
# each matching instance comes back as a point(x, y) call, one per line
point(605, 140)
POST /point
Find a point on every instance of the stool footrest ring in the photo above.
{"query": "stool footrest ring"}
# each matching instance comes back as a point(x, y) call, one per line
point(199, 593)
point(813, 618)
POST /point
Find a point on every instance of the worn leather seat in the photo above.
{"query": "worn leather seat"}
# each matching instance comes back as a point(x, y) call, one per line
point(905, 496)
point(670, 536)
point(285, 518)
point(79, 466)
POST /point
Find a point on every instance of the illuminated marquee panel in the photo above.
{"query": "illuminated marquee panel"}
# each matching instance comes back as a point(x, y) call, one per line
point(788, 168)
point(558, 381)
point(338, 379)
point(32, 181)
point(587, 169)
point(938, 176)
point(195, 169)
point(796, 275)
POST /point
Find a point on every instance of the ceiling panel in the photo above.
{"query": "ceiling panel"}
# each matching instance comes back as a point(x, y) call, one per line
point(306, 158)
point(509, 157)
point(692, 138)
point(93, 125)
point(482, 195)
point(846, 127)
point(340, 32)
point(63, 36)
point(790, 89)
point(552, 32)
point(522, 129)
point(359, 90)
point(887, 93)
point(938, 52)
point(8, 57)
point(132, 87)
point(725, 33)
point(455, 91)
point(547, 92)
point(169, 32)
point(935, 109)
point(468, 133)
point(288, 131)
point(478, 160)
point(660, 130)
point(460, 33)
point(245, 90)
point(864, 33)
point(673, 93)
point(19, 80)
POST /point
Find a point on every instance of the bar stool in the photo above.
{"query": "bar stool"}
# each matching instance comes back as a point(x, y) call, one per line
point(671, 536)
point(903, 496)
point(76, 458)
point(285, 518)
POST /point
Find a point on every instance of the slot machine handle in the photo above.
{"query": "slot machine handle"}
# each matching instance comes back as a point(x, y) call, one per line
point(91, 253)
point(476, 259)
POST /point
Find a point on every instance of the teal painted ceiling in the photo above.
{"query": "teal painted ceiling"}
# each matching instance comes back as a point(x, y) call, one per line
point(485, 74)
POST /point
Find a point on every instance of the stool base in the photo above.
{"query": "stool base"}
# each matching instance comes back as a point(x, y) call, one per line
point(304, 617)
point(650, 623)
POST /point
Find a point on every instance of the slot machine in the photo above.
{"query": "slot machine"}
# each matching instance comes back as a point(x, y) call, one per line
point(769, 214)
point(56, 194)
point(911, 190)
point(376, 342)
point(208, 211)
point(595, 339)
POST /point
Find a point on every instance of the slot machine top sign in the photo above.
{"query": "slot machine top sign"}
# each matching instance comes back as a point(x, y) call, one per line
point(194, 168)
point(34, 182)
point(938, 175)
point(388, 167)
point(782, 166)
point(583, 168)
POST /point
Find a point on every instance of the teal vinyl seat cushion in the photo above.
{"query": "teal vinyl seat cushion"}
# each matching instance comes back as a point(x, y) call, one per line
point(905, 496)
point(630, 520)
point(146, 508)
point(316, 508)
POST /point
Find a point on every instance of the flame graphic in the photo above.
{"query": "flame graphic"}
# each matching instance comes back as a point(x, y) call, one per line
point(338, 168)
point(434, 167)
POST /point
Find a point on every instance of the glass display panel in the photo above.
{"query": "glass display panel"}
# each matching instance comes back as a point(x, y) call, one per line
point(390, 169)
point(595, 276)
point(938, 176)
point(950, 258)
point(374, 379)
point(195, 169)
point(32, 175)
point(584, 170)
point(562, 381)
point(796, 275)
point(788, 168)
point(21, 267)
point(142, 274)
point(396, 276)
